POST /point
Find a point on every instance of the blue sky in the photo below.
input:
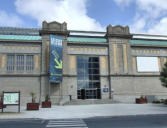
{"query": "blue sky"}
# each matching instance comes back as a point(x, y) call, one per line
point(109, 12)
point(142, 16)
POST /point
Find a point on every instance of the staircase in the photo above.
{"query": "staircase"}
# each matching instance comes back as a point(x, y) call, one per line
point(90, 101)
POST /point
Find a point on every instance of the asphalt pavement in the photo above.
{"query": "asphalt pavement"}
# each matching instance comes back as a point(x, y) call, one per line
point(138, 121)
point(23, 123)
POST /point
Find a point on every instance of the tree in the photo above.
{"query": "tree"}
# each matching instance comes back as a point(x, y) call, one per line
point(163, 75)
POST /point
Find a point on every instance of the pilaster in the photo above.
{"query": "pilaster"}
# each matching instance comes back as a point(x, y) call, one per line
point(59, 29)
point(119, 49)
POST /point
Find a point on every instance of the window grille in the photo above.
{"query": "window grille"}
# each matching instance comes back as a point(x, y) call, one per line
point(10, 62)
point(20, 63)
point(29, 62)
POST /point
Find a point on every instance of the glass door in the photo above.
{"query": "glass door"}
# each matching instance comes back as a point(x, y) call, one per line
point(88, 77)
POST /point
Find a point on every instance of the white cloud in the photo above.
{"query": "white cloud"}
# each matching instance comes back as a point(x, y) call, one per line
point(151, 15)
point(147, 5)
point(154, 7)
point(160, 27)
point(74, 12)
point(138, 25)
point(7, 19)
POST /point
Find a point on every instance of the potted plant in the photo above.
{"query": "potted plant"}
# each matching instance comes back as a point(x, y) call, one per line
point(47, 103)
point(33, 105)
point(141, 100)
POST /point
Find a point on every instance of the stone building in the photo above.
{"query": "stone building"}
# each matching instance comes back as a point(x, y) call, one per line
point(100, 66)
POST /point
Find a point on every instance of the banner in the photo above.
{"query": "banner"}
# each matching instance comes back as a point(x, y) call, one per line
point(55, 59)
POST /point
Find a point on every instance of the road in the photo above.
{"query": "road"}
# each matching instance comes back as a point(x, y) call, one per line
point(24, 123)
point(147, 121)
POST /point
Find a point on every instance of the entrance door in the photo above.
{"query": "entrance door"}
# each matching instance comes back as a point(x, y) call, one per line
point(88, 77)
point(94, 93)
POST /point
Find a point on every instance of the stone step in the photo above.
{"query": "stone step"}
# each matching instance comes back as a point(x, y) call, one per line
point(90, 101)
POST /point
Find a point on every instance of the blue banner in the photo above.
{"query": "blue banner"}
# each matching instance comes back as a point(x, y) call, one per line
point(55, 59)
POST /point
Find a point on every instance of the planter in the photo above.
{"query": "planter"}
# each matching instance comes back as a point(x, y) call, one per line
point(32, 106)
point(157, 102)
point(165, 101)
point(46, 104)
point(141, 100)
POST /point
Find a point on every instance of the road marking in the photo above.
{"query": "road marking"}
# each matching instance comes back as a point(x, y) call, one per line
point(66, 123)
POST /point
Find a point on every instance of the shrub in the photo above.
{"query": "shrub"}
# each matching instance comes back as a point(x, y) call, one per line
point(33, 97)
point(47, 98)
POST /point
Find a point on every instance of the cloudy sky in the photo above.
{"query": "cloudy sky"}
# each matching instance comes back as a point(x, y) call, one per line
point(143, 16)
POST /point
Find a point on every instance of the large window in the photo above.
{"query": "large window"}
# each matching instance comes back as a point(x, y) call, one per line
point(88, 76)
point(20, 62)
point(147, 64)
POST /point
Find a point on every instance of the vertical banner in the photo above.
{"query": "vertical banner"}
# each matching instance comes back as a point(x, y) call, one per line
point(56, 59)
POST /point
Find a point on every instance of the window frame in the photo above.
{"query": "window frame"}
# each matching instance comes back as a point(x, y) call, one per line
point(32, 62)
point(86, 78)
point(137, 68)
point(20, 65)
point(11, 64)
point(17, 63)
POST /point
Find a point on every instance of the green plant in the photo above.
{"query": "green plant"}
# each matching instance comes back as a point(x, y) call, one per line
point(157, 101)
point(33, 97)
point(47, 98)
point(142, 97)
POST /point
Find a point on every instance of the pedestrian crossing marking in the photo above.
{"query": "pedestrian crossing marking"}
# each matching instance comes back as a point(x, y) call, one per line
point(66, 123)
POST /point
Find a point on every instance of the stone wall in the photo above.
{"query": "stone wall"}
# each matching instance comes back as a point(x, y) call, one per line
point(25, 85)
point(126, 89)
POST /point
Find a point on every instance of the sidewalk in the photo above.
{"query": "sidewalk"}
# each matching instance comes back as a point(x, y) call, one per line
point(86, 111)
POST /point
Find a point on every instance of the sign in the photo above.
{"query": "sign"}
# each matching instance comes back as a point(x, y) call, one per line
point(105, 90)
point(11, 98)
point(56, 63)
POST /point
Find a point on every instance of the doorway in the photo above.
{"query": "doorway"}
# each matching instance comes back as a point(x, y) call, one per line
point(88, 77)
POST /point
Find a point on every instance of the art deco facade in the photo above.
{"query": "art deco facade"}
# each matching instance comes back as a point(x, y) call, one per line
point(115, 64)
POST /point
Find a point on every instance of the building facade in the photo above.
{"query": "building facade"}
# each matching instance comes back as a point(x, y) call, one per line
point(115, 64)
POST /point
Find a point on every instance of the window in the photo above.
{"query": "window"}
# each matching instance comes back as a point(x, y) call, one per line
point(20, 63)
point(147, 64)
point(88, 72)
point(88, 76)
point(29, 63)
point(10, 62)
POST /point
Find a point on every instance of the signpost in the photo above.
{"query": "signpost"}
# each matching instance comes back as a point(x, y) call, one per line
point(11, 99)
point(56, 63)
point(105, 90)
